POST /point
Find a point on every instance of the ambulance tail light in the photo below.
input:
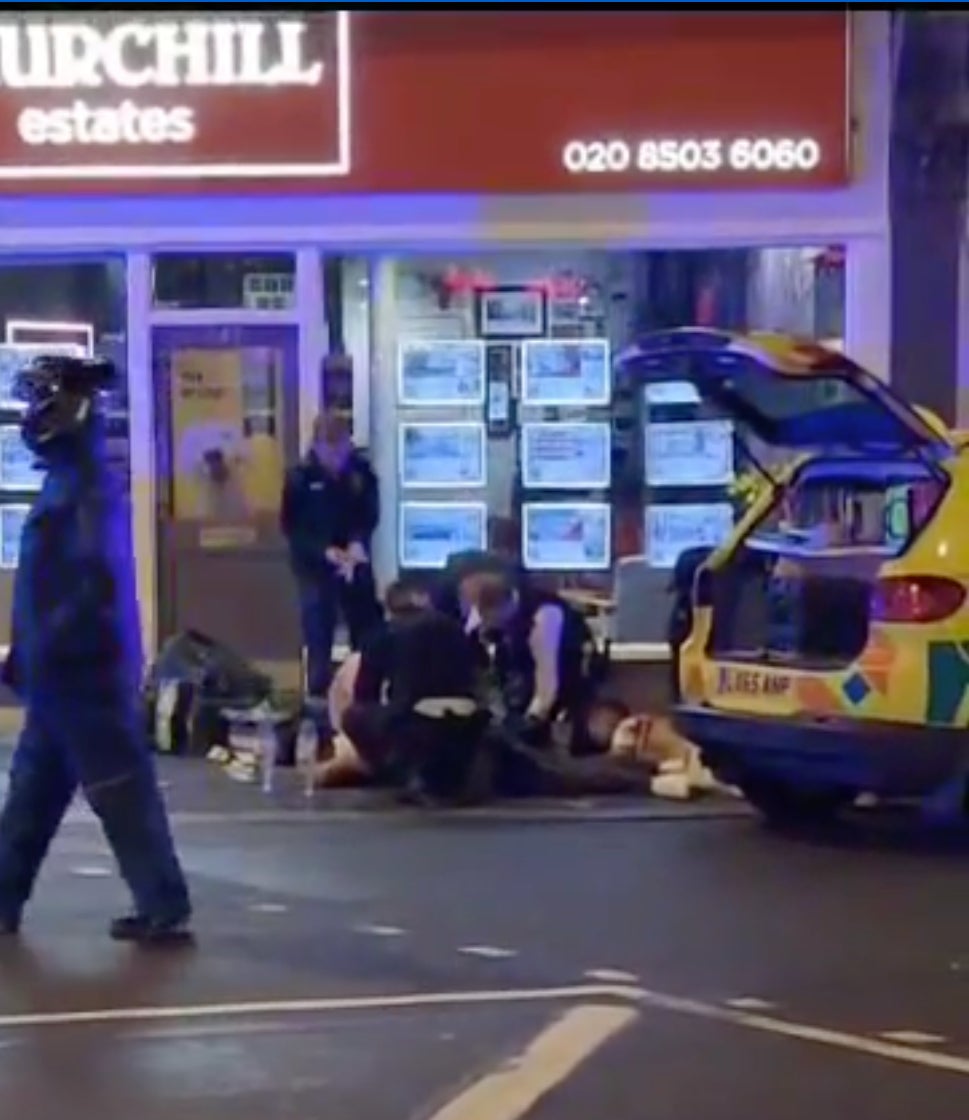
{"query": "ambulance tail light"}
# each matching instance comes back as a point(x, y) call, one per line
point(918, 599)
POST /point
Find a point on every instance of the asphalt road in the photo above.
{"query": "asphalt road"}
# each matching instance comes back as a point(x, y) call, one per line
point(569, 964)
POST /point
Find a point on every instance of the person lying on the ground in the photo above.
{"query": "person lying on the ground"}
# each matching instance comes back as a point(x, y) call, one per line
point(520, 770)
point(546, 662)
point(414, 719)
point(652, 742)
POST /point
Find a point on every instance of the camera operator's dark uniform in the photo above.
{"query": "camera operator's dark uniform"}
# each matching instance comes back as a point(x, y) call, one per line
point(75, 662)
point(322, 509)
point(415, 712)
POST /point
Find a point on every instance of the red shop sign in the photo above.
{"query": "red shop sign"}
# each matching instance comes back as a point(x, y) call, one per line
point(509, 101)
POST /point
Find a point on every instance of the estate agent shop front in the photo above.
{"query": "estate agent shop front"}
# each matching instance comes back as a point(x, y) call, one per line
point(450, 222)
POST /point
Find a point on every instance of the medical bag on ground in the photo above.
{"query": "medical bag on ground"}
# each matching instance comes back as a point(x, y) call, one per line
point(193, 679)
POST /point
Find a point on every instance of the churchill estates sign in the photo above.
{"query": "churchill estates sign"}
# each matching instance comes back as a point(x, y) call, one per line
point(162, 98)
point(99, 100)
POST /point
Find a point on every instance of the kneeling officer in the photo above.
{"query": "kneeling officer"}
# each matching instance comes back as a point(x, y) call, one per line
point(75, 661)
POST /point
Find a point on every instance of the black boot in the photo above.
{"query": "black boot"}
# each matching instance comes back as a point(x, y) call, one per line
point(136, 929)
point(9, 926)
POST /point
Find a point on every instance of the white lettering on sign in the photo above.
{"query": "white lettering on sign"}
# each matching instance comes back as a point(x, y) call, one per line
point(692, 156)
point(120, 124)
point(142, 55)
point(133, 56)
point(163, 55)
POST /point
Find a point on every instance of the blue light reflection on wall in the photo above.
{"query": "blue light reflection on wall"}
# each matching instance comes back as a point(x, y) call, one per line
point(223, 211)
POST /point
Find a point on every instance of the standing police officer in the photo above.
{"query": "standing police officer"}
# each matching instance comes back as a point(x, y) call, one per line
point(330, 509)
point(75, 662)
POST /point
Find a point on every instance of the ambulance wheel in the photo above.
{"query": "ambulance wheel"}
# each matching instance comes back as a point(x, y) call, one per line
point(784, 806)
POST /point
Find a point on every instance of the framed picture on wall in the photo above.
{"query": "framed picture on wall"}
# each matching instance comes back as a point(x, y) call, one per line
point(43, 333)
point(512, 312)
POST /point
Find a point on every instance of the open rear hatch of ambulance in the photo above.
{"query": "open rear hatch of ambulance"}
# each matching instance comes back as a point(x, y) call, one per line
point(804, 584)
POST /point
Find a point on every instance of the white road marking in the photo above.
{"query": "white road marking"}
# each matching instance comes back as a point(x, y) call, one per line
point(488, 952)
point(749, 1003)
point(913, 1038)
point(625, 994)
point(803, 1032)
point(382, 931)
point(269, 908)
point(92, 872)
point(610, 976)
point(513, 1090)
point(326, 1005)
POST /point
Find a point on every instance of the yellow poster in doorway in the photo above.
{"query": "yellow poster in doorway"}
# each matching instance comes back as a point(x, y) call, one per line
point(226, 433)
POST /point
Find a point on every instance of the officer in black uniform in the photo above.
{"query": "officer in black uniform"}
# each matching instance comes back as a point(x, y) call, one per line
point(75, 661)
point(415, 719)
point(546, 662)
point(330, 509)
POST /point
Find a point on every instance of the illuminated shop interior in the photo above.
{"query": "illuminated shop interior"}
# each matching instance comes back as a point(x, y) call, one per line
point(499, 415)
point(484, 386)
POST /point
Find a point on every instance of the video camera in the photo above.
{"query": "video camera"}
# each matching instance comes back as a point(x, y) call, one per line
point(46, 374)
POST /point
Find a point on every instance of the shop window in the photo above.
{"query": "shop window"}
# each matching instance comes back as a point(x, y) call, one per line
point(496, 418)
point(224, 280)
point(54, 304)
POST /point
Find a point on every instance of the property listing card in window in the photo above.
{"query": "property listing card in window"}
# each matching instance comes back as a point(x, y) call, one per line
point(566, 536)
point(689, 453)
point(431, 532)
point(670, 393)
point(672, 529)
point(557, 373)
point(440, 373)
point(18, 469)
point(12, 360)
point(12, 520)
point(436, 456)
point(566, 456)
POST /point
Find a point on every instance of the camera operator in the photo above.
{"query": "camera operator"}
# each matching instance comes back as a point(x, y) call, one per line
point(75, 662)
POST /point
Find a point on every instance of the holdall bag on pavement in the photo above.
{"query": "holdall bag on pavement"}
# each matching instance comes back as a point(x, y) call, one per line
point(191, 681)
